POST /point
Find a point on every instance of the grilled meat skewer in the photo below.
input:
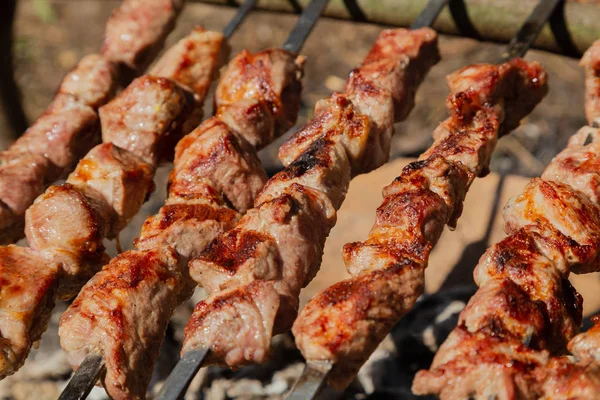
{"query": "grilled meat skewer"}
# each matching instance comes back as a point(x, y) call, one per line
point(345, 323)
point(525, 310)
point(254, 272)
point(66, 225)
point(123, 311)
point(70, 126)
point(340, 327)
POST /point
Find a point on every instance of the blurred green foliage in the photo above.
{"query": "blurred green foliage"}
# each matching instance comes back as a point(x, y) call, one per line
point(44, 11)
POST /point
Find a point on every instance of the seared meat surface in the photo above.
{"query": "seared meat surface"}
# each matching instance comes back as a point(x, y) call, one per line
point(67, 224)
point(70, 126)
point(216, 178)
point(254, 273)
point(345, 323)
point(554, 229)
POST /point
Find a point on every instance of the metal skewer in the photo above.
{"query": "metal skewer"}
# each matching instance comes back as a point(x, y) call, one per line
point(315, 374)
point(304, 26)
point(86, 376)
point(83, 381)
point(191, 362)
point(238, 18)
point(532, 27)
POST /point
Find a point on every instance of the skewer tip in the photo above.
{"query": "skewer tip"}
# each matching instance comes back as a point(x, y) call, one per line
point(311, 382)
point(84, 379)
point(182, 375)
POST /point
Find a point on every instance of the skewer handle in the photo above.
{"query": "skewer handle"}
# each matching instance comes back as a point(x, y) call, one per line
point(304, 26)
point(182, 375)
point(311, 382)
point(84, 379)
point(530, 30)
point(238, 18)
point(429, 14)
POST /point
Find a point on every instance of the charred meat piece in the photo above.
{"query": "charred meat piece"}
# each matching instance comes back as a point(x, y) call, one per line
point(382, 89)
point(72, 124)
point(121, 179)
point(92, 82)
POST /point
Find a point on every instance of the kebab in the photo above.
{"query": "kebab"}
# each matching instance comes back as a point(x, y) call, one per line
point(525, 301)
point(119, 319)
point(254, 272)
point(65, 226)
point(339, 328)
point(70, 126)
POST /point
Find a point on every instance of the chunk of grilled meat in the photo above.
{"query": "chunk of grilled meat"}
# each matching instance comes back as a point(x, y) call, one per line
point(103, 319)
point(162, 105)
point(136, 31)
point(70, 126)
point(570, 377)
point(259, 96)
point(254, 273)
point(345, 323)
point(67, 224)
point(26, 302)
point(217, 176)
point(201, 45)
point(554, 229)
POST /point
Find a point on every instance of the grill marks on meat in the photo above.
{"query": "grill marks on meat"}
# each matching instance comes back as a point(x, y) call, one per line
point(136, 31)
point(254, 273)
point(553, 228)
point(70, 126)
point(67, 224)
point(345, 323)
point(216, 178)
point(26, 302)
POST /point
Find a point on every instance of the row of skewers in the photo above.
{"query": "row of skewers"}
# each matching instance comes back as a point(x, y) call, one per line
point(253, 243)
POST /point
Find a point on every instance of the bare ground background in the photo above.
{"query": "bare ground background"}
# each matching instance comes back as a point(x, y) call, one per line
point(52, 35)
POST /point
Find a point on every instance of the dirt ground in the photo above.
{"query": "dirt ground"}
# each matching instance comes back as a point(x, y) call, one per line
point(52, 35)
